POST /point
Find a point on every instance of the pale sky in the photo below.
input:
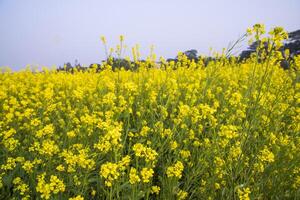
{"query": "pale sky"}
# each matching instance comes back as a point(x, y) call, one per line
point(53, 32)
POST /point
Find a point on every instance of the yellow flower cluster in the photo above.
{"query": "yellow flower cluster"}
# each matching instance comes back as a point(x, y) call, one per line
point(21, 188)
point(244, 193)
point(73, 160)
point(266, 155)
point(133, 176)
point(175, 170)
point(111, 171)
point(78, 197)
point(147, 174)
point(47, 130)
point(141, 151)
point(46, 189)
point(110, 141)
point(10, 142)
point(155, 189)
point(181, 195)
point(28, 165)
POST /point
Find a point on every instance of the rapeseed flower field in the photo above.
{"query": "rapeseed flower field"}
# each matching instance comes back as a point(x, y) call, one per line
point(183, 130)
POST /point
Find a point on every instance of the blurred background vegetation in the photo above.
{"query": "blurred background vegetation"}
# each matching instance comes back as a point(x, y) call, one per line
point(292, 44)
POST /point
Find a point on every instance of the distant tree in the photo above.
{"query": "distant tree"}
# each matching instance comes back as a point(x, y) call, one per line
point(118, 63)
point(69, 68)
point(172, 59)
point(68, 65)
point(293, 43)
point(192, 54)
point(95, 65)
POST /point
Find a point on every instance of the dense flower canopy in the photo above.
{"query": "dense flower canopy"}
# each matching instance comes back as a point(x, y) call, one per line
point(228, 130)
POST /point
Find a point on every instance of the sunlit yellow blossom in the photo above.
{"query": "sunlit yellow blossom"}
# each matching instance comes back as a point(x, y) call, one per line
point(147, 174)
point(80, 158)
point(93, 193)
point(78, 197)
point(175, 170)
point(54, 186)
point(49, 148)
point(155, 189)
point(228, 131)
point(110, 141)
point(27, 166)
point(60, 168)
point(133, 176)
point(11, 144)
point(47, 130)
point(185, 154)
point(111, 171)
point(181, 195)
point(141, 151)
point(71, 134)
point(173, 145)
point(22, 188)
point(103, 39)
point(244, 193)
point(266, 155)
point(122, 164)
point(144, 131)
